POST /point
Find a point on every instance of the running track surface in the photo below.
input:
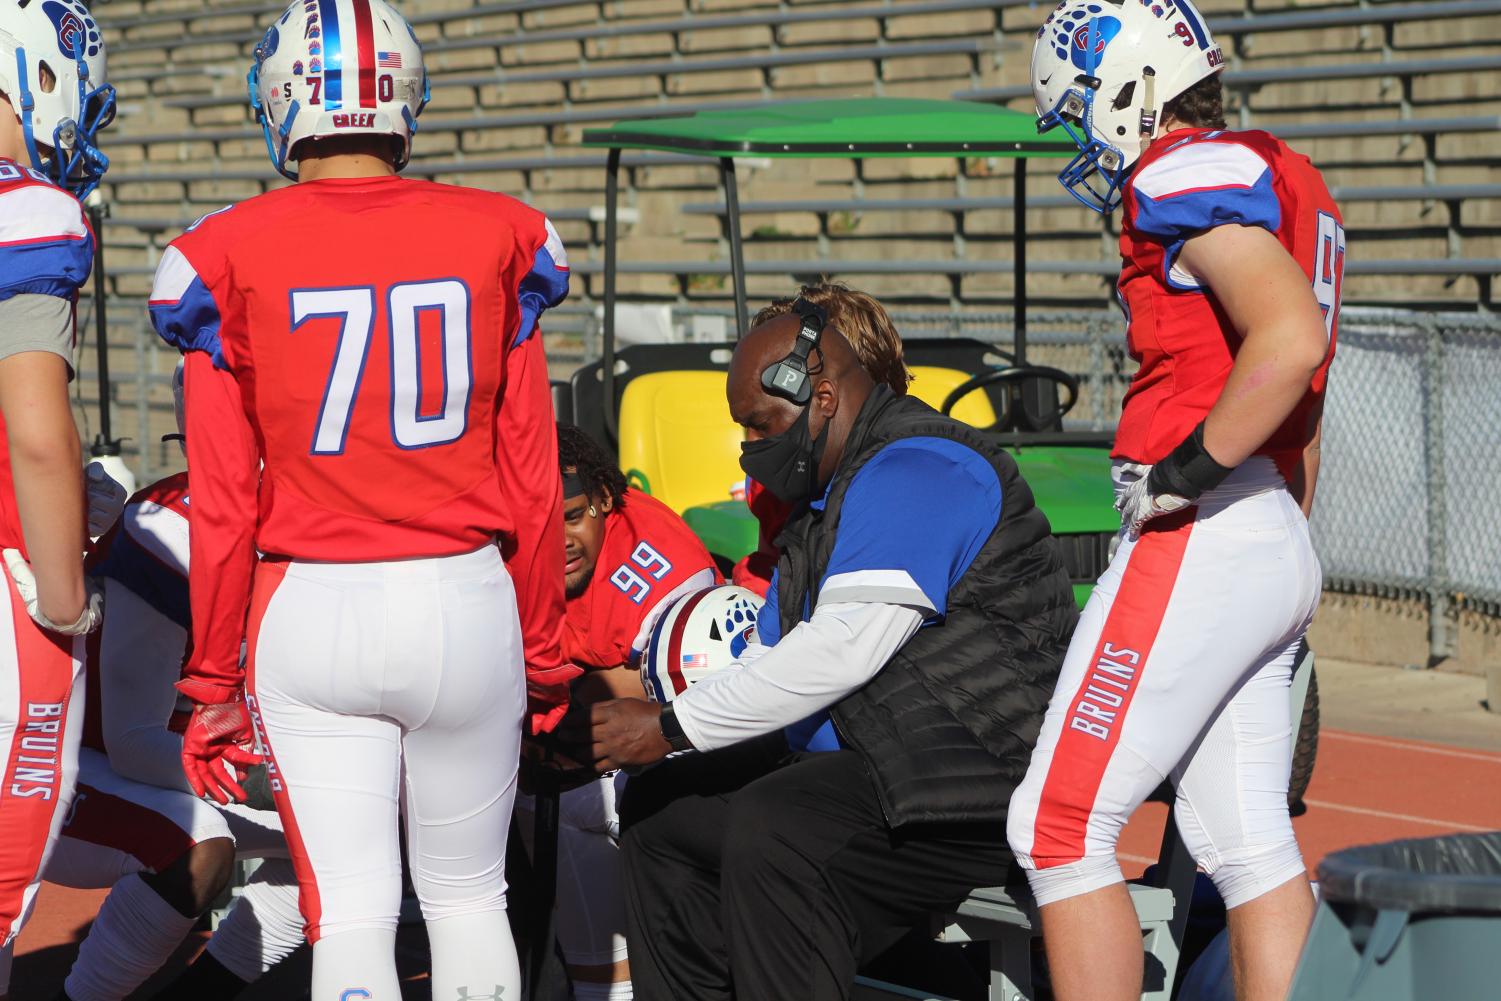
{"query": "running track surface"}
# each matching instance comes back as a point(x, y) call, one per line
point(1365, 789)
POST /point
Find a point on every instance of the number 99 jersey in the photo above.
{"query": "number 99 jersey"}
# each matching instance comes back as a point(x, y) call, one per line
point(377, 389)
point(649, 557)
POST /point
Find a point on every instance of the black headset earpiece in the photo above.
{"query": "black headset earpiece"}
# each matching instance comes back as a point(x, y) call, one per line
point(788, 378)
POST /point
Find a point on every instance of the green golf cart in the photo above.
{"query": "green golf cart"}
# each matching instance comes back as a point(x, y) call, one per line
point(662, 408)
point(662, 405)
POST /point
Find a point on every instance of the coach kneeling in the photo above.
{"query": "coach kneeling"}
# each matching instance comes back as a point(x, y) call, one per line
point(913, 634)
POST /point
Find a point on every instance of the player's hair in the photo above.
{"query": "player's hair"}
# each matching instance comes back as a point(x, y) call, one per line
point(581, 453)
point(386, 148)
point(1200, 106)
point(863, 321)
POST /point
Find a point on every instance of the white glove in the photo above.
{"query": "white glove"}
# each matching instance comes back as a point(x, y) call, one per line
point(93, 598)
point(1138, 505)
point(106, 498)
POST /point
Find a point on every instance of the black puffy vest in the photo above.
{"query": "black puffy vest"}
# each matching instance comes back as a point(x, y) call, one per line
point(947, 727)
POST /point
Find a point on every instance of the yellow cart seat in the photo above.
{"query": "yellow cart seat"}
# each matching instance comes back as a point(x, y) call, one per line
point(933, 383)
point(675, 430)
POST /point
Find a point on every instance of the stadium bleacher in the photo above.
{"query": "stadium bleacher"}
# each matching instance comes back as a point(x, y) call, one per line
point(1392, 99)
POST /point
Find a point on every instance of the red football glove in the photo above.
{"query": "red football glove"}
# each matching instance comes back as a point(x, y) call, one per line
point(547, 693)
point(217, 747)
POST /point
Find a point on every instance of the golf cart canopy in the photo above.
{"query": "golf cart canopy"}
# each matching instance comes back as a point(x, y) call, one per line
point(849, 129)
point(865, 127)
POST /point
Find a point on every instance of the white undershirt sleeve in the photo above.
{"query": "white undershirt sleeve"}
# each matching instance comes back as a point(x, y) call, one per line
point(819, 662)
point(140, 658)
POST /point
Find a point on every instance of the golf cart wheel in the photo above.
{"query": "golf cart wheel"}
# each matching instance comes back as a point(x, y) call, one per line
point(1307, 748)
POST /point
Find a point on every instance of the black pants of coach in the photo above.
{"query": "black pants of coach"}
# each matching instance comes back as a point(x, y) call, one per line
point(760, 875)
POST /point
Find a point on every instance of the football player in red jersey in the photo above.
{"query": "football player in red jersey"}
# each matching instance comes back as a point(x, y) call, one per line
point(368, 410)
point(1232, 252)
point(626, 554)
point(628, 557)
point(53, 99)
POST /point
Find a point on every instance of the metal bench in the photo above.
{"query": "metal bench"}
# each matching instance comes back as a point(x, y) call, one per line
point(666, 67)
point(268, 11)
point(1347, 193)
point(1229, 26)
point(155, 224)
point(1246, 80)
point(417, 168)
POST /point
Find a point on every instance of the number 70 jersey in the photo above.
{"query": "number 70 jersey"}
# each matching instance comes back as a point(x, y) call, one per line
point(371, 325)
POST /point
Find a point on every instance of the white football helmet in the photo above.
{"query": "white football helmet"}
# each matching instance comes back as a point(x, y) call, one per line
point(59, 124)
point(337, 68)
point(698, 635)
point(1103, 70)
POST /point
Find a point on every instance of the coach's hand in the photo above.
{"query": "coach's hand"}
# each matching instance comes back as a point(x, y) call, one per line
point(217, 748)
point(622, 733)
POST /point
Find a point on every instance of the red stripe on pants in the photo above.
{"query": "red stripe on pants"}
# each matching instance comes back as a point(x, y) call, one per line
point(268, 577)
point(100, 818)
point(1095, 718)
point(364, 39)
point(33, 781)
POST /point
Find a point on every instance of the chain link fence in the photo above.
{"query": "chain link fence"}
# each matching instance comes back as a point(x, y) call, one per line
point(1409, 495)
point(1409, 498)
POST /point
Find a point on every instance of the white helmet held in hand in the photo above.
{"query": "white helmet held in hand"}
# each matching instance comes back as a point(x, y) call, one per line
point(1103, 71)
point(698, 635)
point(337, 68)
point(52, 72)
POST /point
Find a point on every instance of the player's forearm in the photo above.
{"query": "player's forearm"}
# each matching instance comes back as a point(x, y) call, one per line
point(223, 477)
point(47, 469)
point(1272, 373)
point(1271, 307)
point(527, 464)
point(814, 666)
point(1306, 476)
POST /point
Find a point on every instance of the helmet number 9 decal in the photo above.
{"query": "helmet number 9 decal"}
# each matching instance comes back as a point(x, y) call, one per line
point(413, 422)
point(1182, 31)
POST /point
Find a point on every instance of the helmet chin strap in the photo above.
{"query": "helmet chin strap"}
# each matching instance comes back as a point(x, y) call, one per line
point(1149, 117)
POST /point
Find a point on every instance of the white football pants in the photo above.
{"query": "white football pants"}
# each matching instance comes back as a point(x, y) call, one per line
point(1180, 666)
point(384, 684)
point(590, 891)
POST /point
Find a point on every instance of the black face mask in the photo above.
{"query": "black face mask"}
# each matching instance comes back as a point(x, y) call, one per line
point(787, 463)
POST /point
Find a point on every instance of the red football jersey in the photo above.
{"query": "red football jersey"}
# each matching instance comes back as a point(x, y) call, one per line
point(1189, 181)
point(364, 383)
point(648, 555)
point(46, 248)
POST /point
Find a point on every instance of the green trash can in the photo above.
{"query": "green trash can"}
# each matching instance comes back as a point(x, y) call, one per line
point(1416, 920)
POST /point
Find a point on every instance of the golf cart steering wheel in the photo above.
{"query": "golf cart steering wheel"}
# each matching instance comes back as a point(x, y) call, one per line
point(1016, 374)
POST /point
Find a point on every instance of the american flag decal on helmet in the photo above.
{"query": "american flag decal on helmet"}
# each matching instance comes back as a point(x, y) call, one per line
point(388, 60)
